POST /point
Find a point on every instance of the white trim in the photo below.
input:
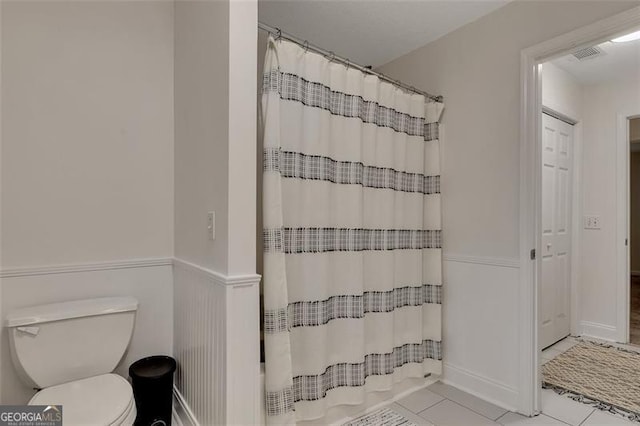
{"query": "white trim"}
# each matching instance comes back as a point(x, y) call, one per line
point(237, 326)
point(84, 267)
point(529, 394)
point(182, 411)
point(576, 228)
point(479, 260)
point(599, 331)
point(218, 278)
point(623, 204)
point(530, 152)
point(490, 390)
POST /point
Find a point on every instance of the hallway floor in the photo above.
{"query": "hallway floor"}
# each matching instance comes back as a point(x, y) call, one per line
point(444, 405)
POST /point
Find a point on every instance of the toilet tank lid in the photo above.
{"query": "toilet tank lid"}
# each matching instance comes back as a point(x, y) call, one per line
point(67, 310)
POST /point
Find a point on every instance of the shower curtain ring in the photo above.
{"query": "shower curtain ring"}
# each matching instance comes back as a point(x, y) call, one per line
point(348, 63)
point(279, 34)
point(306, 46)
point(332, 56)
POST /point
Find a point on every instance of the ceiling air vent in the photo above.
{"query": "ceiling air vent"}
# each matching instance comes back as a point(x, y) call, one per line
point(588, 53)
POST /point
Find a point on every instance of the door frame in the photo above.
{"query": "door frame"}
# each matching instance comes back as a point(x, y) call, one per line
point(623, 224)
point(529, 389)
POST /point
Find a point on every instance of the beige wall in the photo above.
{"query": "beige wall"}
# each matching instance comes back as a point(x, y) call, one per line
point(87, 154)
point(201, 131)
point(602, 103)
point(561, 91)
point(215, 134)
point(477, 70)
point(243, 35)
point(87, 162)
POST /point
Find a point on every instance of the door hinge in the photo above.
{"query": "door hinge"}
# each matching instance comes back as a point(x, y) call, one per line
point(626, 242)
point(532, 254)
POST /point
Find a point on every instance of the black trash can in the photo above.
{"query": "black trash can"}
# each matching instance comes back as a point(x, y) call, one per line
point(152, 382)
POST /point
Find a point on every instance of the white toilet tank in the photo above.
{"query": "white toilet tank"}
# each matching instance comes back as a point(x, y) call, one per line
point(62, 342)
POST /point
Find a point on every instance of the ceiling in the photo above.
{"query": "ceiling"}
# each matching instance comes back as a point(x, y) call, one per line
point(372, 32)
point(620, 61)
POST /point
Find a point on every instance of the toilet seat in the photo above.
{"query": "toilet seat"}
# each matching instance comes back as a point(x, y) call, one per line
point(105, 400)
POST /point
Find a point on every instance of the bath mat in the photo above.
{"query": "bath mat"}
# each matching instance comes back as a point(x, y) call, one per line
point(382, 417)
point(601, 375)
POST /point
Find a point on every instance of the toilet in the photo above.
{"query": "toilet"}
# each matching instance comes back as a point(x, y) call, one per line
point(68, 351)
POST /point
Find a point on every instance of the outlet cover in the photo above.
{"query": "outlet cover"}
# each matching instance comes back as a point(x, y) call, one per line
point(592, 222)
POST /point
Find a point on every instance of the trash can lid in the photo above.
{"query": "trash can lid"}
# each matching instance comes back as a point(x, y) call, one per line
point(153, 367)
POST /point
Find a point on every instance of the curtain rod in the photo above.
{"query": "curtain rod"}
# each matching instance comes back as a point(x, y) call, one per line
point(345, 61)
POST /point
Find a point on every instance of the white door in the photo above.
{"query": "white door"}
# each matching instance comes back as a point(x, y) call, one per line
point(555, 290)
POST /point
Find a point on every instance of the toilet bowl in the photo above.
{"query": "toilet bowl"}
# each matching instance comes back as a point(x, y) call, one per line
point(69, 350)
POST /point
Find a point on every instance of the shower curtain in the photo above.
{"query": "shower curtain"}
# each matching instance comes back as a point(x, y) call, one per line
point(352, 240)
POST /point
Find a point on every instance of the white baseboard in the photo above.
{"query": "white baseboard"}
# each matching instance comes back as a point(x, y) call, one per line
point(599, 331)
point(181, 410)
point(490, 390)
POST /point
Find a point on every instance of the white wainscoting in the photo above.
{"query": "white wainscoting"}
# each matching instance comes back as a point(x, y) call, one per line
point(480, 327)
point(217, 345)
point(148, 280)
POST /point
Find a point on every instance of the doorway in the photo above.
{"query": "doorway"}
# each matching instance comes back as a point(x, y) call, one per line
point(531, 244)
point(593, 84)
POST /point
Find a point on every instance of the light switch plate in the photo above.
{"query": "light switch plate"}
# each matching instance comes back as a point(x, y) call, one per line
point(211, 225)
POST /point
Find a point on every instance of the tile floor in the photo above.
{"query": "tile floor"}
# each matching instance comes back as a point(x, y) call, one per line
point(444, 405)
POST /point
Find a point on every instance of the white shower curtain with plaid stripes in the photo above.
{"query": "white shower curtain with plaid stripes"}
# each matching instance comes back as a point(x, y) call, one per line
point(352, 240)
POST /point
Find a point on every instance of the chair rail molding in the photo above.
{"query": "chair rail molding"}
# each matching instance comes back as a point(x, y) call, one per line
point(84, 267)
point(218, 278)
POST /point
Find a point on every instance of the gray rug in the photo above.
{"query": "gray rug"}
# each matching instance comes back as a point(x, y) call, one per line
point(382, 417)
point(601, 375)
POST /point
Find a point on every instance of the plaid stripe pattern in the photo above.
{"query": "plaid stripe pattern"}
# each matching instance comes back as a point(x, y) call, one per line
point(279, 402)
point(320, 240)
point(431, 131)
point(315, 167)
point(314, 387)
point(309, 314)
point(292, 87)
point(293, 319)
